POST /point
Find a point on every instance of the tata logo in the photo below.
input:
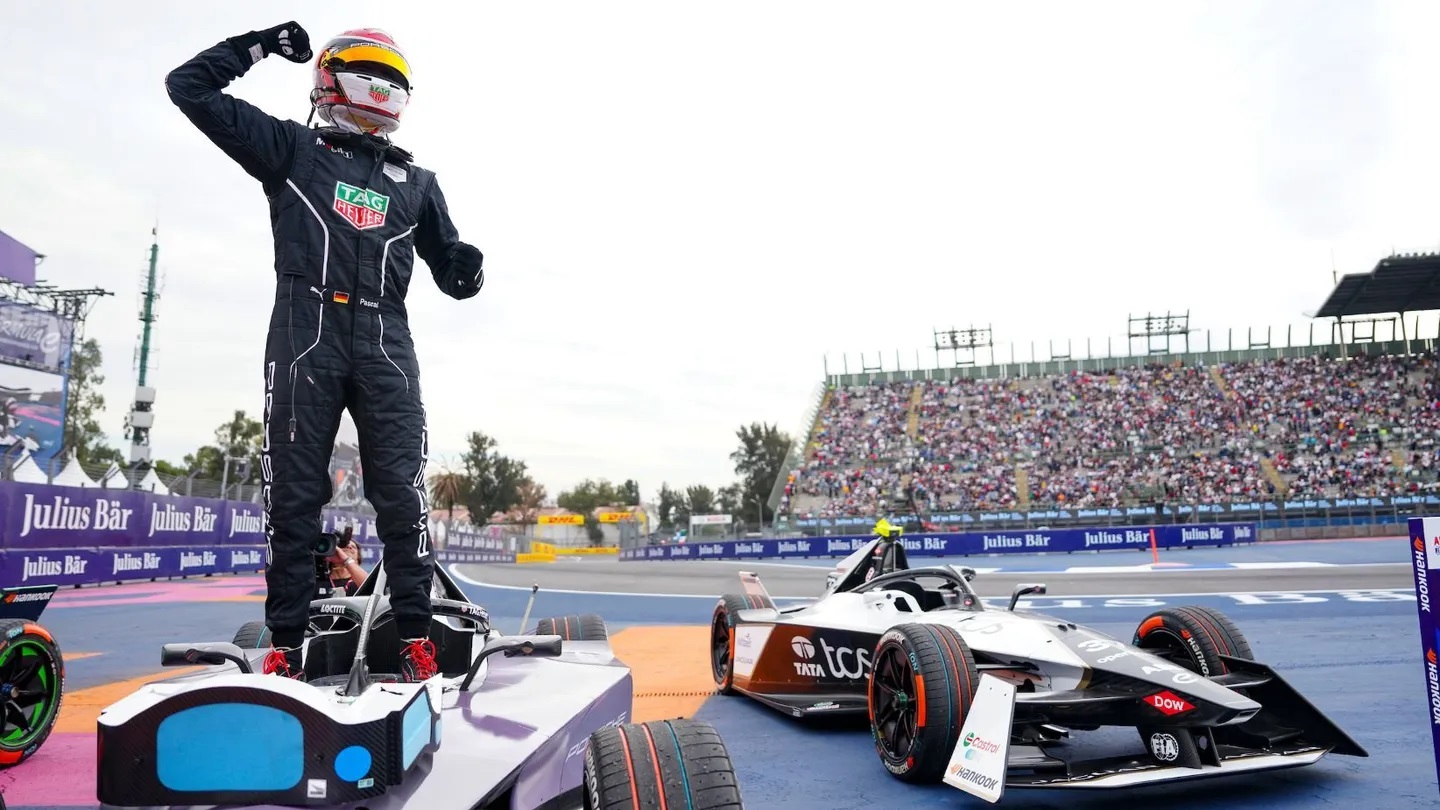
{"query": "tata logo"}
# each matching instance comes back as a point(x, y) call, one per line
point(842, 663)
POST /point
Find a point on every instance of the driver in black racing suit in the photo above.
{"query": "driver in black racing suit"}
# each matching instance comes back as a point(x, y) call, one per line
point(349, 211)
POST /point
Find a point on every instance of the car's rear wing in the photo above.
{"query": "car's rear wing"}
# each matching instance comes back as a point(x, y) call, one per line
point(750, 581)
point(25, 602)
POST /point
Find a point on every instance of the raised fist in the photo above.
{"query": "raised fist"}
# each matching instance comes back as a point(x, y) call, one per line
point(289, 40)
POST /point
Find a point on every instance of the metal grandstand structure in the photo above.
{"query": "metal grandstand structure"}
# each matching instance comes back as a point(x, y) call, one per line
point(1399, 284)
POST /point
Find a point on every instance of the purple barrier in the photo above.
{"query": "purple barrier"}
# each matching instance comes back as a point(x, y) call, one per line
point(956, 544)
point(93, 566)
point(82, 536)
point(47, 516)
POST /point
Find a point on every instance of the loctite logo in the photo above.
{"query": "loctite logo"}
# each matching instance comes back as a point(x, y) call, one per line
point(1434, 678)
point(1422, 585)
point(1168, 704)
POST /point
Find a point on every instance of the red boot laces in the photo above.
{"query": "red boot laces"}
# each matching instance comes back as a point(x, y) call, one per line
point(421, 654)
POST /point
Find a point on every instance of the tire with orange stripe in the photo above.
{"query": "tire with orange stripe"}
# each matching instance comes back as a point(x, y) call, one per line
point(32, 687)
point(660, 765)
point(1193, 637)
point(588, 627)
point(922, 677)
point(722, 636)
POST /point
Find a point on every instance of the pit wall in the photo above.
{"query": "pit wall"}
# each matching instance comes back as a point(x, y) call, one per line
point(1053, 541)
point(70, 536)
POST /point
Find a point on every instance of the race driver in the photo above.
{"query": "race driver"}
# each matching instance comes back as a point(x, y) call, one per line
point(349, 211)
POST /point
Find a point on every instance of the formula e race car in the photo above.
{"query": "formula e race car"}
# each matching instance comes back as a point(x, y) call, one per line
point(32, 674)
point(983, 698)
point(526, 721)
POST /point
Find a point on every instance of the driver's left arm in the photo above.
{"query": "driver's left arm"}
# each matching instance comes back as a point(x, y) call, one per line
point(458, 267)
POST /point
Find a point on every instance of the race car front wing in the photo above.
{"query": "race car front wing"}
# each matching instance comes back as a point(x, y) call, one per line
point(1287, 732)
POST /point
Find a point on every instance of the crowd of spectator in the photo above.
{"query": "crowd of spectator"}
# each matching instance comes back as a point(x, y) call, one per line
point(1246, 431)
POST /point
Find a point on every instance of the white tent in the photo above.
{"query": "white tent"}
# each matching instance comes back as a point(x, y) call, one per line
point(28, 472)
point(73, 475)
point(114, 478)
point(151, 483)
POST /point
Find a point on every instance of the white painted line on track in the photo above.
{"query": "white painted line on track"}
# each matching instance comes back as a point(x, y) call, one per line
point(456, 573)
point(1267, 565)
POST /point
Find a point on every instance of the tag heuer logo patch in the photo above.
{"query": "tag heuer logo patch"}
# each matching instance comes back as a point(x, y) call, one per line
point(360, 207)
point(380, 94)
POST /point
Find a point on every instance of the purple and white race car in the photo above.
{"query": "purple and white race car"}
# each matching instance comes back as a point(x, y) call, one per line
point(537, 721)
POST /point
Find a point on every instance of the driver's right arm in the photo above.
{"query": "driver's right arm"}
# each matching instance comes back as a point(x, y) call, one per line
point(263, 145)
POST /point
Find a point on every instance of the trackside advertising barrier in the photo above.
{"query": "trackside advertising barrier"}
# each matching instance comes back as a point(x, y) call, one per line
point(963, 545)
point(1425, 556)
point(86, 535)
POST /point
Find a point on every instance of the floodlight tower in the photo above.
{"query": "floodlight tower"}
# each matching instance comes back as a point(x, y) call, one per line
point(142, 415)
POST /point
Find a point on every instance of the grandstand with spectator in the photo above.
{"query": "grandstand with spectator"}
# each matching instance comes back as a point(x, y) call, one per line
point(1334, 433)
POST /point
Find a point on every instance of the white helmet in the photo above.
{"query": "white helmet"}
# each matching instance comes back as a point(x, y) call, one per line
point(362, 82)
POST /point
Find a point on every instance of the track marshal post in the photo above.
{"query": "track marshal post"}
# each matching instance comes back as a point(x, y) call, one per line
point(1425, 558)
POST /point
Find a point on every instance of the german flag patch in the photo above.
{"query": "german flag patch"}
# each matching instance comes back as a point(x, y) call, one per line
point(342, 298)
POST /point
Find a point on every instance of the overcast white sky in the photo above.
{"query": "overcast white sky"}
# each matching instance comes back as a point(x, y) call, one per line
point(684, 208)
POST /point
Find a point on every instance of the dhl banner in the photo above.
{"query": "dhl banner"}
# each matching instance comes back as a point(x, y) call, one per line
point(579, 520)
point(1425, 557)
point(562, 520)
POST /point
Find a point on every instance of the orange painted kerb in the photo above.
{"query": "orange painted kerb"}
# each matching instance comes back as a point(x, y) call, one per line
point(670, 667)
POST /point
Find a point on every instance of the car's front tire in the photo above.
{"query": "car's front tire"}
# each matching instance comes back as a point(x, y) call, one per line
point(1193, 637)
point(665, 763)
point(32, 687)
point(915, 730)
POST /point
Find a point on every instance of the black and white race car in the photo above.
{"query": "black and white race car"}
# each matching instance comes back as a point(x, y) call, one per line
point(983, 698)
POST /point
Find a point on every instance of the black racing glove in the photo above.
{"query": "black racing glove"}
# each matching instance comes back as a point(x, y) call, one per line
point(463, 274)
point(289, 40)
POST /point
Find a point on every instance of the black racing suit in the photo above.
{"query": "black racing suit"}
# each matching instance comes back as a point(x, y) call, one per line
point(349, 212)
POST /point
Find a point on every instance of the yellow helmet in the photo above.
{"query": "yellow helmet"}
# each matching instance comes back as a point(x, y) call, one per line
point(884, 529)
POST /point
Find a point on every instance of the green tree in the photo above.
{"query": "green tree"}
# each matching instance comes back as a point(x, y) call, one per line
point(630, 493)
point(758, 461)
point(700, 500)
point(240, 437)
point(495, 479)
point(447, 490)
point(84, 405)
point(532, 499)
point(729, 500)
point(165, 469)
point(588, 496)
point(668, 504)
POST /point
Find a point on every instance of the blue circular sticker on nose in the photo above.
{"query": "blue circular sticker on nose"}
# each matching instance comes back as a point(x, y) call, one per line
point(352, 764)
